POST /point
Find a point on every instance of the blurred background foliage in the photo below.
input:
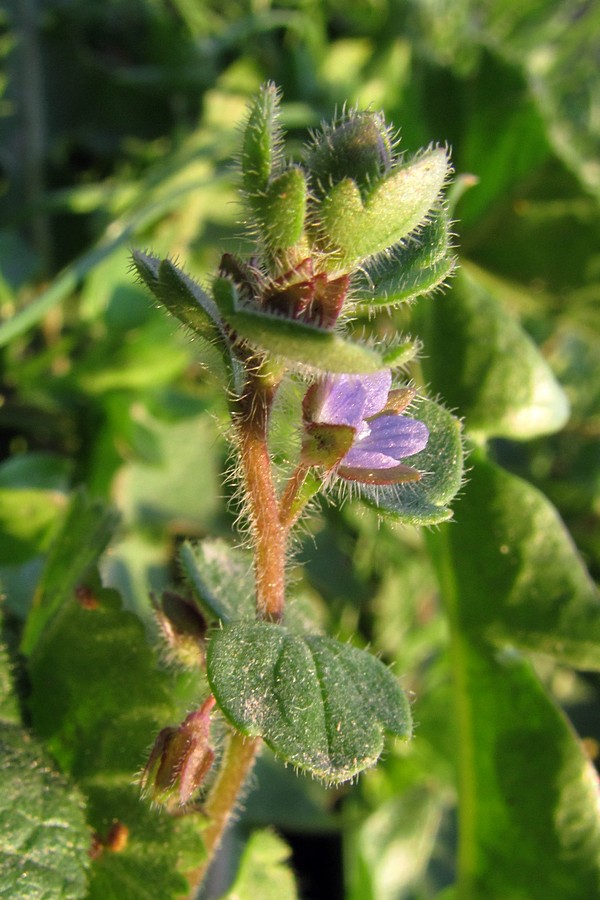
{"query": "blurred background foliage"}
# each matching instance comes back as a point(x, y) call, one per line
point(119, 121)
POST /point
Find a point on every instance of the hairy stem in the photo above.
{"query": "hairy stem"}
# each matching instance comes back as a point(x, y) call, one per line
point(237, 762)
point(268, 533)
point(251, 419)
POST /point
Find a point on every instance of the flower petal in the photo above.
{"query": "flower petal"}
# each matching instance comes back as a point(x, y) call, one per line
point(390, 440)
point(349, 399)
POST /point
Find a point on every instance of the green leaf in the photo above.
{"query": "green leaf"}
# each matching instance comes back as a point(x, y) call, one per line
point(97, 695)
point(155, 847)
point(27, 518)
point(263, 871)
point(261, 143)
point(519, 577)
point(353, 229)
point(425, 502)
point(281, 209)
point(487, 367)
point(45, 839)
point(409, 269)
point(528, 794)
point(179, 294)
point(321, 705)
point(9, 703)
point(98, 699)
point(402, 828)
point(85, 533)
point(294, 341)
point(221, 579)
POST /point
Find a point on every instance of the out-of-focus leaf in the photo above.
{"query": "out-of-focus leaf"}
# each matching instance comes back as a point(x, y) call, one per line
point(27, 518)
point(321, 705)
point(155, 848)
point(391, 849)
point(486, 367)
point(85, 533)
point(517, 572)
point(527, 791)
point(76, 688)
point(9, 704)
point(264, 871)
point(45, 839)
point(425, 502)
point(191, 454)
point(220, 578)
point(556, 44)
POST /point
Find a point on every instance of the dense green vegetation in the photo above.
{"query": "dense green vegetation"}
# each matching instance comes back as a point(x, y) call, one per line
point(120, 121)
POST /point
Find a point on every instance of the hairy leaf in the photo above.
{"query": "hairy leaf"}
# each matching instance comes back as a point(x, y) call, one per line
point(321, 705)
point(353, 229)
point(45, 839)
point(294, 341)
point(408, 269)
point(425, 502)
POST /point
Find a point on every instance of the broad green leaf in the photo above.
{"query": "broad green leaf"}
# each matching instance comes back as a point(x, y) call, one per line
point(98, 698)
point(353, 229)
point(321, 705)
point(294, 341)
point(486, 367)
point(425, 502)
point(97, 695)
point(529, 825)
point(156, 848)
point(407, 270)
point(45, 844)
point(87, 528)
point(263, 871)
point(520, 579)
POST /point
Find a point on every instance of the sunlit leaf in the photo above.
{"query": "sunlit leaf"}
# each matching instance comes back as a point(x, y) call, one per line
point(321, 705)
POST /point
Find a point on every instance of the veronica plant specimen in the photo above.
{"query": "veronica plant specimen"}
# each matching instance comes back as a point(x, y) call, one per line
point(356, 227)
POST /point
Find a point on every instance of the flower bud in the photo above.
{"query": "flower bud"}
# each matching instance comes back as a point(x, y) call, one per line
point(307, 296)
point(183, 626)
point(180, 759)
point(359, 147)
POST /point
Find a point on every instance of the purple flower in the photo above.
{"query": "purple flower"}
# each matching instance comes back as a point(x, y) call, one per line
point(359, 416)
